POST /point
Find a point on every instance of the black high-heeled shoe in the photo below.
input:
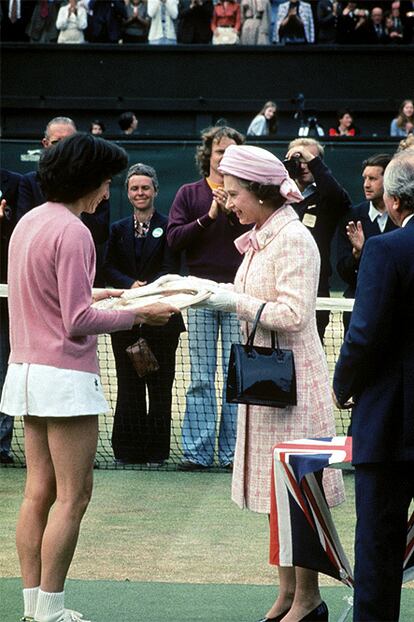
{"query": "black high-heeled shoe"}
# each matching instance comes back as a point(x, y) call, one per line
point(276, 619)
point(319, 614)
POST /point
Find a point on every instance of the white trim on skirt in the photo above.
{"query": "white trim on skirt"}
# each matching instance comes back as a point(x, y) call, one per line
point(46, 391)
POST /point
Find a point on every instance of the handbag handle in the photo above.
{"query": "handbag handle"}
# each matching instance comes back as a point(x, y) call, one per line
point(274, 335)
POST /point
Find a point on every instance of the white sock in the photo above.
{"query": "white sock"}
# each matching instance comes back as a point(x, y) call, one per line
point(49, 603)
point(30, 600)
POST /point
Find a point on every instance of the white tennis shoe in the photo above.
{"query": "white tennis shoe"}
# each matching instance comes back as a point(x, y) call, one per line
point(65, 615)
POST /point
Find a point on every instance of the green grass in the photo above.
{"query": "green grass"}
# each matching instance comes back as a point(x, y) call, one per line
point(165, 526)
point(158, 546)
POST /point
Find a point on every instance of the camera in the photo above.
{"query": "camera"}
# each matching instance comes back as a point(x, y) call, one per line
point(293, 166)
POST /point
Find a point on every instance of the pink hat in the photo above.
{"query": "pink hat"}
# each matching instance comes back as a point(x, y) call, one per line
point(257, 164)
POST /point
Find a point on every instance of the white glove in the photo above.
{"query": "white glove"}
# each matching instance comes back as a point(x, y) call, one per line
point(185, 281)
point(199, 283)
point(221, 300)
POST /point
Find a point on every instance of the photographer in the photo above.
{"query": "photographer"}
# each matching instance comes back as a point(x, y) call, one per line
point(325, 203)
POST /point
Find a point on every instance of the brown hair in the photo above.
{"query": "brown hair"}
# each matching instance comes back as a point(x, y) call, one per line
point(379, 159)
point(273, 121)
point(208, 136)
point(402, 118)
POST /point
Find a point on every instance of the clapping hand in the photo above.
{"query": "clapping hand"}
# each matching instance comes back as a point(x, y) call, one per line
point(3, 207)
point(219, 203)
point(356, 236)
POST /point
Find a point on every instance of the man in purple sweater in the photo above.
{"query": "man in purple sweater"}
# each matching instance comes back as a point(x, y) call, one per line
point(199, 225)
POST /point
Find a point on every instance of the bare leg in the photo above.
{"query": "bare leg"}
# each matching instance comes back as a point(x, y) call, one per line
point(39, 495)
point(72, 443)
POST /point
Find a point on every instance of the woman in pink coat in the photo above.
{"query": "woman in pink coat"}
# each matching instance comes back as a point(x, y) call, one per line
point(280, 267)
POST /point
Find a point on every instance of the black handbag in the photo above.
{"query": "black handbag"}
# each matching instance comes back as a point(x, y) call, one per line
point(260, 375)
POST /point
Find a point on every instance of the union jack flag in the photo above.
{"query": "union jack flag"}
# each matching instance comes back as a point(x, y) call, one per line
point(302, 531)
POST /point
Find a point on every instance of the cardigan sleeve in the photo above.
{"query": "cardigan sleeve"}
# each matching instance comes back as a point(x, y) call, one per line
point(172, 8)
point(74, 265)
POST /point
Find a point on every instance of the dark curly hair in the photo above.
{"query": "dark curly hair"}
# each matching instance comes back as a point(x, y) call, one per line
point(78, 165)
point(208, 136)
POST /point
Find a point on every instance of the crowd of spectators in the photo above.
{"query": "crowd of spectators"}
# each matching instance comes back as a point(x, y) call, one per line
point(265, 123)
point(248, 22)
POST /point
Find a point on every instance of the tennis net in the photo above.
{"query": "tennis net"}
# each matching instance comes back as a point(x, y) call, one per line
point(105, 456)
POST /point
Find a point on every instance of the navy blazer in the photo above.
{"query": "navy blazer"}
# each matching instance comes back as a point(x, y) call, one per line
point(9, 183)
point(120, 266)
point(376, 362)
point(105, 22)
point(347, 265)
point(31, 195)
point(324, 209)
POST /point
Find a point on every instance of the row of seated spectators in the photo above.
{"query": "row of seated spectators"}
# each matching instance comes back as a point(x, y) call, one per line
point(249, 22)
point(265, 123)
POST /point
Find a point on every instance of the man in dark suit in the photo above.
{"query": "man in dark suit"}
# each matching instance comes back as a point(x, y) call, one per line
point(406, 10)
point(194, 19)
point(327, 19)
point(365, 220)
point(373, 31)
point(376, 368)
point(324, 205)
point(9, 183)
point(15, 16)
point(105, 23)
point(137, 254)
point(31, 195)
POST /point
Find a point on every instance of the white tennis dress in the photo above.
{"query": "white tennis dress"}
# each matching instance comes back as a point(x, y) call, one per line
point(45, 391)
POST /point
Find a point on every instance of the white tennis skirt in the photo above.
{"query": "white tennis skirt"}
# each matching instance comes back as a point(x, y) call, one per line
point(45, 391)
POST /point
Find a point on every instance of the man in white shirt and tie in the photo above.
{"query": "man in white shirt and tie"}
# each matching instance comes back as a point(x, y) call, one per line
point(367, 219)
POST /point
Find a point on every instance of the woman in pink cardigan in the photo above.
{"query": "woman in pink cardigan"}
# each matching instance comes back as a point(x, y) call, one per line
point(53, 375)
point(280, 267)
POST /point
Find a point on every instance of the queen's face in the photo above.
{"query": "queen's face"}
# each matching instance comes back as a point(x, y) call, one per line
point(243, 203)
